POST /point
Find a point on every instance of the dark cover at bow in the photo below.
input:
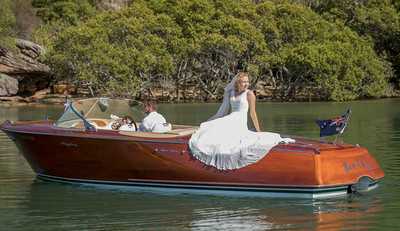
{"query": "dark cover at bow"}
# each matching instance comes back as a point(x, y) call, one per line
point(333, 126)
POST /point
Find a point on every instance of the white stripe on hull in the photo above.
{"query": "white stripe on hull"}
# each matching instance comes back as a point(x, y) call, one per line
point(209, 189)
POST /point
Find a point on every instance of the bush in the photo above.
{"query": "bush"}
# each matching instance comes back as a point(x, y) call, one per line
point(70, 12)
point(115, 52)
point(378, 20)
point(309, 51)
point(204, 43)
point(7, 24)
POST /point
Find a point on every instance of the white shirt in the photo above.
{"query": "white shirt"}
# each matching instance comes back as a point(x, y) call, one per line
point(127, 128)
point(154, 122)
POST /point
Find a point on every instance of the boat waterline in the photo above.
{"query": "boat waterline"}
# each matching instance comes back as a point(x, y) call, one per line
point(216, 189)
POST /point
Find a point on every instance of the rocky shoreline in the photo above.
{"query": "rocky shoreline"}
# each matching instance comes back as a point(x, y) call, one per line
point(22, 75)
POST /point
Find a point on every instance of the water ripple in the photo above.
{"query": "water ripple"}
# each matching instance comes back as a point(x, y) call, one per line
point(27, 204)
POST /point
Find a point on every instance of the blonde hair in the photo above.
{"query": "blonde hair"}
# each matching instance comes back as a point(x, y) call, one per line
point(239, 76)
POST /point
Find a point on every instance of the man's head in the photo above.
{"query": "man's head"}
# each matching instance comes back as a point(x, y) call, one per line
point(149, 106)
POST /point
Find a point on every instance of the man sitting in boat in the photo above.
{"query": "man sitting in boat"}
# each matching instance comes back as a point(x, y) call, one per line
point(154, 121)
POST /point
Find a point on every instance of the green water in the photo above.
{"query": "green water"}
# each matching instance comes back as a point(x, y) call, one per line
point(29, 204)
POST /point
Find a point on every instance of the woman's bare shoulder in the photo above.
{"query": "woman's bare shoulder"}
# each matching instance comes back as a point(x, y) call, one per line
point(250, 94)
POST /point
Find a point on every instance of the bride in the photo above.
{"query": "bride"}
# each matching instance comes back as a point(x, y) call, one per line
point(225, 141)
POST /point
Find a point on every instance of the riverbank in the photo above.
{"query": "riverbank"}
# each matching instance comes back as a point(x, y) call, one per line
point(54, 99)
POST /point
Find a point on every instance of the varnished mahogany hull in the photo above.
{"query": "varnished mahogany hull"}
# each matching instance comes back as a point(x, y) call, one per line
point(307, 167)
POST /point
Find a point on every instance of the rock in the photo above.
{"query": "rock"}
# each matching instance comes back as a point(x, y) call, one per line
point(39, 95)
point(29, 48)
point(8, 85)
point(53, 99)
point(42, 96)
point(17, 64)
point(29, 85)
point(23, 66)
point(64, 88)
point(13, 99)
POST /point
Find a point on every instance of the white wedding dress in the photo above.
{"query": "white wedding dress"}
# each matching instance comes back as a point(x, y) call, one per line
point(227, 143)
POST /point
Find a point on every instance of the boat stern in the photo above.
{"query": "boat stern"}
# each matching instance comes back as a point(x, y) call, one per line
point(352, 166)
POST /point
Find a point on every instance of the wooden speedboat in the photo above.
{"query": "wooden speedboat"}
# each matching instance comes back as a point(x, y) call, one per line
point(81, 147)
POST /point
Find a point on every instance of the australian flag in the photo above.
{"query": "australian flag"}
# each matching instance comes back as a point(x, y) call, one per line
point(333, 126)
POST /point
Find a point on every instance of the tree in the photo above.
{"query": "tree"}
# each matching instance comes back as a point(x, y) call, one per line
point(308, 51)
point(7, 24)
point(377, 19)
point(218, 39)
point(66, 11)
point(201, 44)
point(115, 52)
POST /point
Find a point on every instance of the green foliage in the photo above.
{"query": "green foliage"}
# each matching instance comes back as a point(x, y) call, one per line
point(7, 24)
point(66, 11)
point(57, 16)
point(310, 51)
point(217, 38)
point(396, 4)
point(114, 52)
point(377, 19)
point(205, 42)
point(339, 73)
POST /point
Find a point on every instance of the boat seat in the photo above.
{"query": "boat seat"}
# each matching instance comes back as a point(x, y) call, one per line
point(177, 130)
point(188, 130)
point(182, 131)
point(98, 123)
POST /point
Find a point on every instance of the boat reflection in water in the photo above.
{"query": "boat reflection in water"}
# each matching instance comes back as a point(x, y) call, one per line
point(83, 147)
point(48, 205)
point(294, 217)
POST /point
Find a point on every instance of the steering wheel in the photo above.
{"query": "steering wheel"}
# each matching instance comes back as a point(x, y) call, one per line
point(129, 120)
point(126, 120)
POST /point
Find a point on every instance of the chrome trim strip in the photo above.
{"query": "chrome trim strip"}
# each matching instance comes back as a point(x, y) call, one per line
point(205, 189)
point(316, 187)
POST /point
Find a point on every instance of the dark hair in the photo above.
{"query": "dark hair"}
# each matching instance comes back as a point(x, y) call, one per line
point(151, 103)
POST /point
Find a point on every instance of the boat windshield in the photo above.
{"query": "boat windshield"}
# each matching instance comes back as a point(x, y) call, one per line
point(104, 109)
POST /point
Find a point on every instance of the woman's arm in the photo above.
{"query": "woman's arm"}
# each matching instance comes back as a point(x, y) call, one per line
point(252, 107)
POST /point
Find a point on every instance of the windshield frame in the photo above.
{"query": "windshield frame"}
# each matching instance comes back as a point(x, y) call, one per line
point(100, 108)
